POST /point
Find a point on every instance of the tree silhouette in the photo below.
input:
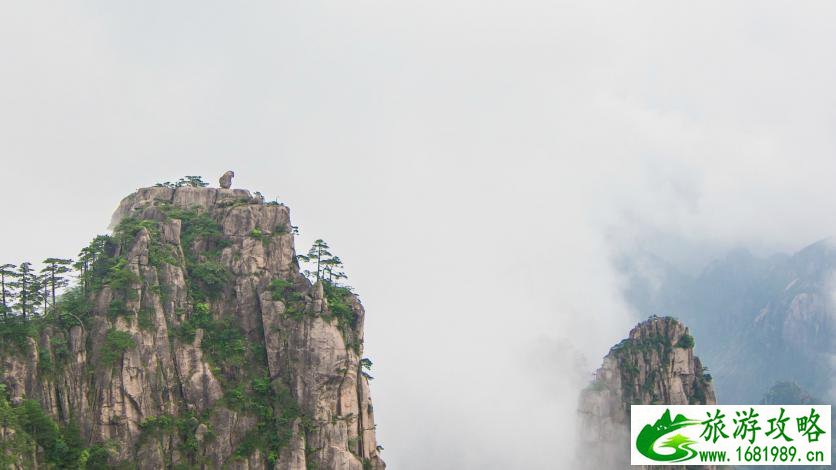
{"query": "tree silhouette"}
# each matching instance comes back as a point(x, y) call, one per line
point(332, 269)
point(7, 276)
point(328, 267)
point(87, 257)
point(27, 288)
point(54, 271)
point(317, 254)
point(42, 291)
point(193, 181)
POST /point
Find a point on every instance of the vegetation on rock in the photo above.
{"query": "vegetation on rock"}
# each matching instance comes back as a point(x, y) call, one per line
point(127, 287)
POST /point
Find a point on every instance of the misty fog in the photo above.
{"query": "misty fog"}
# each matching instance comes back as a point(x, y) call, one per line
point(476, 165)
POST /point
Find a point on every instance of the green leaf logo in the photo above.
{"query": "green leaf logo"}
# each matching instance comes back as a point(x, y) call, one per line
point(680, 444)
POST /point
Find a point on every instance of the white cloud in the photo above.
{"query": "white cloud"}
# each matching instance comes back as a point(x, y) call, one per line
point(474, 163)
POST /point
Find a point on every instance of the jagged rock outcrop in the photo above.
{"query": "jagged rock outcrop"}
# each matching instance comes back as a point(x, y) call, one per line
point(654, 365)
point(761, 320)
point(202, 345)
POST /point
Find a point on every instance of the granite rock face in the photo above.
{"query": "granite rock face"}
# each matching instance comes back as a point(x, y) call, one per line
point(654, 365)
point(230, 357)
point(760, 319)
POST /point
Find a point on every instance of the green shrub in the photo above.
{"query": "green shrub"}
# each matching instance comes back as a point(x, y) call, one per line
point(145, 319)
point(96, 457)
point(13, 444)
point(73, 307)
point(279, 288)
point(338, 303)
point(223, 341)
point(116, 308)
point(685, 342)
point(99, 257)
point(207, 279)
point(158, 252)
point(45, 365)
point(196, 226)
point(157, 423)
point(115, 345)
point(276, 410)
point(129, 227)
point(62, 447)
point(184, 426)
point(51, 359)
point(60, 349)
point(15, 333)
point(121, 278)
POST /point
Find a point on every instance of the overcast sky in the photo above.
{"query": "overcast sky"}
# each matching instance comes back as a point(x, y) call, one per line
point(476, 164)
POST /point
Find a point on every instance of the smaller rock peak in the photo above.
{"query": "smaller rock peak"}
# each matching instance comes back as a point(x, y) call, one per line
point(654, 365)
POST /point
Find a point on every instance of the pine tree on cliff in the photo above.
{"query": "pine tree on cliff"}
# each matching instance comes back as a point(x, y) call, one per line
point(87, 257)
point(332, 269)
point(7, 275)
point(42, 283)
point(318, 254)
point(27, 289)
point(55, 271)
point(82, 265)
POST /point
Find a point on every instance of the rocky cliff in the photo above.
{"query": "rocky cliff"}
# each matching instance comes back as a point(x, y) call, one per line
point(654, 365)
point(761, 320)
point(193, 341)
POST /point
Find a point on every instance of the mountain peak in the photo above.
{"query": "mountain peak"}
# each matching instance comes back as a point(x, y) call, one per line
point(185, 197)
point(194, 340)
point(655, 364)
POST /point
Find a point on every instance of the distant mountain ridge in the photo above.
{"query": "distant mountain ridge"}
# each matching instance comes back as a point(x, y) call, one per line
point(760, 320)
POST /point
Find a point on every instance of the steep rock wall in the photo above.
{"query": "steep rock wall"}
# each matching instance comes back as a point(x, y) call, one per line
point(654, 365)
point(202, 345)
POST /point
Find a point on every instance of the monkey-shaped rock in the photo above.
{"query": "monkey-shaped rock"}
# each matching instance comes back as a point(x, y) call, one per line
point(226, 179)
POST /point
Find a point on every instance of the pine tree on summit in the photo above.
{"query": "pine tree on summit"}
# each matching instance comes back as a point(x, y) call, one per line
point(7, 275)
